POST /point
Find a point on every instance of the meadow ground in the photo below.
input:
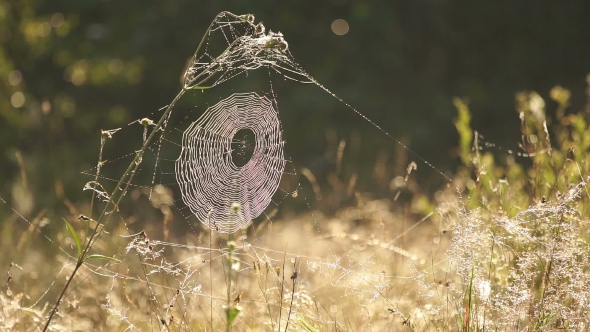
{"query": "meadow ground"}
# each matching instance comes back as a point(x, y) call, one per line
point(504, 247)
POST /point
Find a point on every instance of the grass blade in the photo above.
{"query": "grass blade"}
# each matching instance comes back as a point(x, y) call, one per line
point(98, 256)
point(76, 238)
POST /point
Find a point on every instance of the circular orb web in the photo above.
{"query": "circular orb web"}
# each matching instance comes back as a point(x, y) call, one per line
point(220, 194)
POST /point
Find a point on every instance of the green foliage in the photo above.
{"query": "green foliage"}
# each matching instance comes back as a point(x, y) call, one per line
point(541, 170)
point(231, 314)
point(79, 248)
point(521, 242)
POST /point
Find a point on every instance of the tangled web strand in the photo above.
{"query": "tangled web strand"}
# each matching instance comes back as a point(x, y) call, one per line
point(220, 194)
point(248, 46)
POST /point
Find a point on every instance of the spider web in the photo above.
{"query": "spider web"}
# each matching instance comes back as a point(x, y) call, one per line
point(248, 46)
point(193, 159)
point(220, 194)
point(234, 46)
point(193, 164)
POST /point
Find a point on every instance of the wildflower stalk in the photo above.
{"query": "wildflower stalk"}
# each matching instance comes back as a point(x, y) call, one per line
point(232, 309)
point(469, 299)
point(294, 276)
point(127, 177)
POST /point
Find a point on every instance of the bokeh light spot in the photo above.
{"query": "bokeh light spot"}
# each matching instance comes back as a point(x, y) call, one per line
point(115, 66)
point(57, 20)
point(340, 27)
point(15, 77)
point(46, 107)
point(118, 114)
point(17, 99)
point(44, 29)
point(77, 74)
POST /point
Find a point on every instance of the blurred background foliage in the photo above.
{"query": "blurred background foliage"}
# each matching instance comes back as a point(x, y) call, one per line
point(71, 68)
